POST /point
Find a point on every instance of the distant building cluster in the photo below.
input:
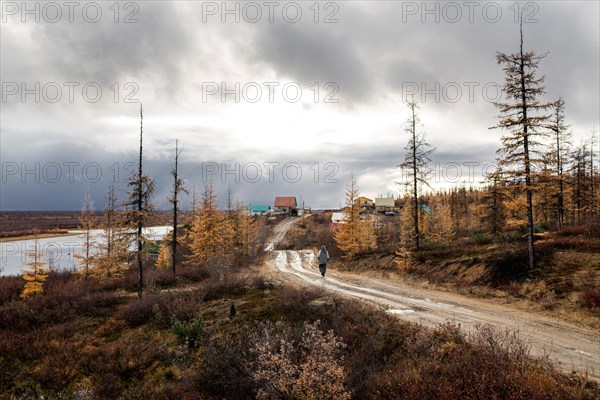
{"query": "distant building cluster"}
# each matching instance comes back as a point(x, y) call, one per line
point(283, 205)
point(368, 209)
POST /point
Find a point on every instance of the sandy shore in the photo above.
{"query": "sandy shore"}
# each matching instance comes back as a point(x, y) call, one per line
point(39, 236)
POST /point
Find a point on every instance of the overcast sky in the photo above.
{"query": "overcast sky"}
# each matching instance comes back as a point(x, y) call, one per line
point(269, 98)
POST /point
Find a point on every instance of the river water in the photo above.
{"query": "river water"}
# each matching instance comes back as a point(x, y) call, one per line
point(57, 252)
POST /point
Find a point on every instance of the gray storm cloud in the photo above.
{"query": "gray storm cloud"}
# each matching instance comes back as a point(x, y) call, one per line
point(375, 52)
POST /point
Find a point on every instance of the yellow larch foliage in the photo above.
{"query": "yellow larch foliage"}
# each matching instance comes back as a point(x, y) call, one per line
point(442, 229)
point(354, 235)
point(246, 231)
point(211, 236)
point(86, 224)
point(110, 259)
point(35, 274)
point(164, 256)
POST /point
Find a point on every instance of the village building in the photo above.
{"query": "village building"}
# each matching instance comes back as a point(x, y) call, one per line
point(385, 204)
point(286, 205)
point(365, 202)
point(259, 209)
point(337, 219)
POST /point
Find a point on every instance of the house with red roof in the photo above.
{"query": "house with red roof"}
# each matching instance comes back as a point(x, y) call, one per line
point(286, 205)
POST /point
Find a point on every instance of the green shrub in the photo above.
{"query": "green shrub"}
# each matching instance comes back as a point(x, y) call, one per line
point(188, 331)
point(482, 238)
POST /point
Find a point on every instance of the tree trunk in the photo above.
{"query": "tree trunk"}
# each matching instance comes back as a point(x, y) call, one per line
point(139, 209)
point(415, 189)
point(175, 206)
point(561, 201)
point(529, 194)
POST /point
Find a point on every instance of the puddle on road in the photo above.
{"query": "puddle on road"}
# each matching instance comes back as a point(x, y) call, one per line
point(396, 311)
point(584, 353)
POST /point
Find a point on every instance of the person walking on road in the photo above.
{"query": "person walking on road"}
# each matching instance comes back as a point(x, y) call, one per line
point(323, 257)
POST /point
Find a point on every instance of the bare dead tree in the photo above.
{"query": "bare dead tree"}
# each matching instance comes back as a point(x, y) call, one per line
point(141, 188)
point(416, 160)
point(178, 186)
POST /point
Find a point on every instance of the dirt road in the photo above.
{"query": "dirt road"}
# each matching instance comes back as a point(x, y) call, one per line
point(573, 348)
point(279, 232)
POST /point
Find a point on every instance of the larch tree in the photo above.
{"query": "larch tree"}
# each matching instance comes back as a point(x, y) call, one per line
point(211, 236)
point(460, 208)
point(178, 186)
point(141, 188)
point(442, 228)
point(580, 182)
point(164, 259)
point(546, 201)
point(493, 211)
point(233, 214)
point(194, 199)
point(86, 224)
point(592, 200)
point(229, 204)
point(561, 140)
point(403, 254)
point(112, 242)
point(415, 164)
point(583, 181)
point(368, 235)
point(523, 117)
point(34, 274)
point(245, 229)
point(349, 236)
point(246, 233)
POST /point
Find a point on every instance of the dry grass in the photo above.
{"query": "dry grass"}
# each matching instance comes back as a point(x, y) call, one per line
point(81, 341)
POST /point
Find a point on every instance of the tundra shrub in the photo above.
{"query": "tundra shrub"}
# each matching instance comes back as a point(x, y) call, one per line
point(308, 368)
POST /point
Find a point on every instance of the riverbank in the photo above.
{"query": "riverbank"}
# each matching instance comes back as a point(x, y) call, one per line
point(18, 225)
point(57, 251)
point(39, 236)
